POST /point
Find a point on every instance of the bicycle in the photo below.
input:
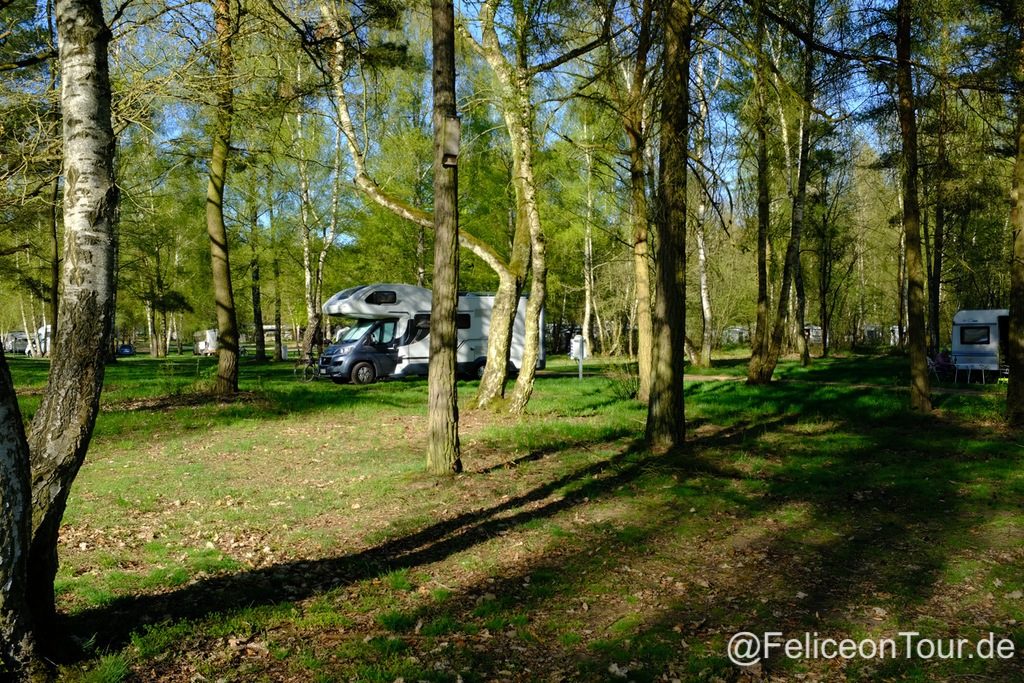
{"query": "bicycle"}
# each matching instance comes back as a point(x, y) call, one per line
point(306, 369)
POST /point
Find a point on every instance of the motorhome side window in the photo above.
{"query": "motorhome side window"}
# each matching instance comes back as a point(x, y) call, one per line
point(383, 333)
point(974, 335)
point(382, 297)
point(462, 321)
point(421, 327)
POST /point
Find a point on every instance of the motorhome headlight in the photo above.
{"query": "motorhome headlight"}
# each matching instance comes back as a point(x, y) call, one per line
point(337, 351)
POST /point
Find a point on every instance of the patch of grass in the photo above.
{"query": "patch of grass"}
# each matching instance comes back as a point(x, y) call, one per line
point(160, 638)
point(399, 580)
point(396, 620)
point(441, 626)
point(297, 519)
point(112, 668)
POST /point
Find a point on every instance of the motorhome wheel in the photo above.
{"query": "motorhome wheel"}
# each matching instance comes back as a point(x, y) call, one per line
point(363, 373)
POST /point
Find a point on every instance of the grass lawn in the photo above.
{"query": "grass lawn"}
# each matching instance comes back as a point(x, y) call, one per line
point(291, 535)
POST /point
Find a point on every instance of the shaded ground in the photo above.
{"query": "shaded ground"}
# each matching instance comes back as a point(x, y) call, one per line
point(294, 537)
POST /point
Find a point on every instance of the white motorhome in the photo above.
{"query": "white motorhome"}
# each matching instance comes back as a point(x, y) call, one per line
point(204, 342)
point(391, 335)
point(980, 338)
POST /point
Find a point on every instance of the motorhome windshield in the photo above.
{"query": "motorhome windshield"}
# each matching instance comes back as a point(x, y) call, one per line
point(356, 331)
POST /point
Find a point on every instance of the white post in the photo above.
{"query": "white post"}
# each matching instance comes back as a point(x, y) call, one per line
point(580, 344)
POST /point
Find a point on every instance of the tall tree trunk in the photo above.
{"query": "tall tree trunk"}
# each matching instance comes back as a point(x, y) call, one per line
point(901, 285)
point(824, 287)
point(224, 296)
point(54, 256)
point(700, 227)
point(760, 342)
point(641, 264)
point(443, 456)
point(588, 247)
point(801, 315)
point(707, 314)
point(1015, 352)
point(766, 367)
point(159, 306)
point(62, 426)
point(257, 293)
point(920, 398)
point(278, 329)
point(18, 650)
point(939, 237)
point(636, 132)
point(154, 347)
point(526, 197)
point(666, 421)
point(528, 243)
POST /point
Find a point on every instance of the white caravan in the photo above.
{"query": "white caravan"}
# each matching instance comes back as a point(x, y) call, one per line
point(980, 338)
point(391, 335)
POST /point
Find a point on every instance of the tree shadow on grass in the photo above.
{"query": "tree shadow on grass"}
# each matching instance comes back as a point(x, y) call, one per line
point(860, 513)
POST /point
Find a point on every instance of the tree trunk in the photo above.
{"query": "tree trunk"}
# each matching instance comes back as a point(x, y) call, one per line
point(257, 294)
point(224, 296)
point(641, 265)
point(666, 423)
point(939, 238)
point(920, 398)
point(1015, 352)
point(520, 125)
point(760, 342)
point(824, 286)
point(700, 227)
point(901, 286)
point(18, 651)
point(154, 350)
point(762, 374)
point(62, 426)
point(278, 329)
point(588, 248)
point(707, 331)
point(54, 256)
point(443, 455)
point(634, 122)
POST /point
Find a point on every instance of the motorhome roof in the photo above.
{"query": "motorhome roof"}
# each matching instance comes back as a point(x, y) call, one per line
point(378, 300)
point(989, 316)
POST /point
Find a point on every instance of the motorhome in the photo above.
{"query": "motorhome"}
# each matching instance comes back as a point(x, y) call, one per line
point(43, 339)
point(204, 342)
point(391, 333)
point(15, 342)
point(980, 339)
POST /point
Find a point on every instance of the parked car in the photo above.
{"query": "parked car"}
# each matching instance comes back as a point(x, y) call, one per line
point(15, 342)
point(125, 350)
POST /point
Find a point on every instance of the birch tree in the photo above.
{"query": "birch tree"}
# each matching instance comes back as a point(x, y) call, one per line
point(59, 436)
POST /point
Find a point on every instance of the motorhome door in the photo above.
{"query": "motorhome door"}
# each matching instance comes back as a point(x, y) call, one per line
point(384, 345)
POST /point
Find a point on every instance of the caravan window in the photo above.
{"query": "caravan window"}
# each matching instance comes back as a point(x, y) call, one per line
point(382, 297)
point(462, 321)
point(977, 334)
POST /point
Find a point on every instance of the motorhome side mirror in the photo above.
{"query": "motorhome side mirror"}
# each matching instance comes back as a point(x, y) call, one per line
point(452, 136)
